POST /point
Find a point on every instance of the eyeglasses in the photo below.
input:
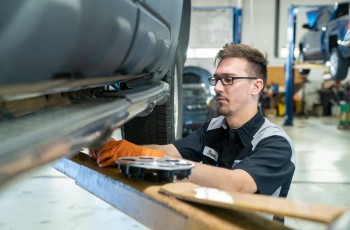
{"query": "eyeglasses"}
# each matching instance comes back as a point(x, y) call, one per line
point(225, 80)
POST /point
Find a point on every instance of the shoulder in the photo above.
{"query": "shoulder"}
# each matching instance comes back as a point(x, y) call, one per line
point(271, 130)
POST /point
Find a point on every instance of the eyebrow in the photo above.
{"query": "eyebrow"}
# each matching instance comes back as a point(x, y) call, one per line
point(225, 75)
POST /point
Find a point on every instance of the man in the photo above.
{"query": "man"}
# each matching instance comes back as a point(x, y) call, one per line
point(240, 150)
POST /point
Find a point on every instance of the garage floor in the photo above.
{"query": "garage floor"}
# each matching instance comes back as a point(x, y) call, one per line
point(47, 199)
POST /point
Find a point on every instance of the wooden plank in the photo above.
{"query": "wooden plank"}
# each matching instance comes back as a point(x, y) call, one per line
point(308, 65)
point(142, 201)
point(229, 200)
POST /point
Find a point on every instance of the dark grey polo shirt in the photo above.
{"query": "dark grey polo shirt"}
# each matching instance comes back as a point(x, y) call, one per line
point(259, 147)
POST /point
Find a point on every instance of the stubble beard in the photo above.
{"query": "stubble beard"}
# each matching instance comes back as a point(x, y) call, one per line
point(225, 111)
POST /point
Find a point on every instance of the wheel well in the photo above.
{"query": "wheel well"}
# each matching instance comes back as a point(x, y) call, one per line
point(300, 47)
point(332, 43)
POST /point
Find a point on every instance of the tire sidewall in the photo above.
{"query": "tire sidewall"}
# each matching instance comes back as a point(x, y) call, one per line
point(339, 65)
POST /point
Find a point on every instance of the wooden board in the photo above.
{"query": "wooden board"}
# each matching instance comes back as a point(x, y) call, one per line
point(261, 203)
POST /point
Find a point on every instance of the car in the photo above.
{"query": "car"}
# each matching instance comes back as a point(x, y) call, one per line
point(74, 71)
point(321, 43)
point(200, 75)
point(195, 107)
point(199, 103)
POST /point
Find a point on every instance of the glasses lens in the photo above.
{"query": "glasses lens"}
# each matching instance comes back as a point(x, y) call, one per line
point(212, 81)
point(226, 80)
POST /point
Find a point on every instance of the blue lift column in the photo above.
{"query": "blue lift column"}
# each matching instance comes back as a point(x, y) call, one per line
point(289, 67)
point(237, 24)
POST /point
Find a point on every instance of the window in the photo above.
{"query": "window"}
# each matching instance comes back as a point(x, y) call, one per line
point(323, 19)
point(343, 9)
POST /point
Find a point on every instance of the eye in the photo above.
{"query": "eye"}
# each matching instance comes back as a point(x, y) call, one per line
point(227, 80)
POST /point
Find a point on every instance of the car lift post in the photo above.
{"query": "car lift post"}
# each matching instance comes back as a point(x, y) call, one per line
point(289, 67)
point(237, 24)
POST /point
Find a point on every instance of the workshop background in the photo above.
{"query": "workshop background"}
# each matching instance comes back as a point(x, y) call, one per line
point(47, 199)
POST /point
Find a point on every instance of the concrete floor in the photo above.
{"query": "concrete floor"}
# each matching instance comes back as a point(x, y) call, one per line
point(47, 199)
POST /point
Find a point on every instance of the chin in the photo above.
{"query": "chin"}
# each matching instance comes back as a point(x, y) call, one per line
point(223, 112)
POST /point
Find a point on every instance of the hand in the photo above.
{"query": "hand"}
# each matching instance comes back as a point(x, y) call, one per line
point(107, 154)
point(93, 153)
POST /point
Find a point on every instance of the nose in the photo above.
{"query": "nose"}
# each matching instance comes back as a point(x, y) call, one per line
point(218, 87)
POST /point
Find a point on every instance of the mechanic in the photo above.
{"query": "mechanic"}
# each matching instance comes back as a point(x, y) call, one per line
point(239, 151)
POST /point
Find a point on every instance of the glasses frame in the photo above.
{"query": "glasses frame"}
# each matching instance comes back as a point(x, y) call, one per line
point(217, 78)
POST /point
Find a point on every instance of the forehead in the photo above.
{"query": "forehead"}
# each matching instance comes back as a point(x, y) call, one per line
point(232, 65)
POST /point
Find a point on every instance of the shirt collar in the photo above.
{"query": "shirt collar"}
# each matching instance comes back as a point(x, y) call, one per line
point(248, 130)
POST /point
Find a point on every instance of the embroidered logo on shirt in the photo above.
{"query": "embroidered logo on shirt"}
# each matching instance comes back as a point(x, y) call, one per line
point(211, 153)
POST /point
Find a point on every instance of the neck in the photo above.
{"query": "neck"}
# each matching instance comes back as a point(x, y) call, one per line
point(238, 119)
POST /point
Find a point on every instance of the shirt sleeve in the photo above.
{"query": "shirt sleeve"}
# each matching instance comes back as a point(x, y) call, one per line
point(269, 164)
point(191, 146)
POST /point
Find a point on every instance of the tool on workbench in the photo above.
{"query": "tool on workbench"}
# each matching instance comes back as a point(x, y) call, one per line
point(154, 168)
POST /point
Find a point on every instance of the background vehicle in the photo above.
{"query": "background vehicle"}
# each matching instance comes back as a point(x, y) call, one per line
point(198, 75)
point(73, 71)
point(199, 103)
point(195, 107)
point(323, 40)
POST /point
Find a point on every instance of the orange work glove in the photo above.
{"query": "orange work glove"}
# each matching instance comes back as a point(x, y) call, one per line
point(107, 154)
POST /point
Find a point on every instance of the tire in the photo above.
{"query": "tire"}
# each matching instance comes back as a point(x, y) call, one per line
point(301, 60)
point(338, 68)
point(164, 124)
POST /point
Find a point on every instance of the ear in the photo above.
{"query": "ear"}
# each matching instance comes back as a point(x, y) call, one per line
point(257, 86)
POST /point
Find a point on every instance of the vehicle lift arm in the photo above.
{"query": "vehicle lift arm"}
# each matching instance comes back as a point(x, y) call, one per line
point(289, 67)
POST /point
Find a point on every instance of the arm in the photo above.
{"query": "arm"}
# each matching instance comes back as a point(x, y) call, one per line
point(236, 180)
point(169, 150)
point(230, 180)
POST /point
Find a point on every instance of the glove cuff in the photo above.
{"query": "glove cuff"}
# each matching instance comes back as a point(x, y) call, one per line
point(136, 150)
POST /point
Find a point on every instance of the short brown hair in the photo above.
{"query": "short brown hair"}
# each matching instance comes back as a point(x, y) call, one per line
point(257, 62)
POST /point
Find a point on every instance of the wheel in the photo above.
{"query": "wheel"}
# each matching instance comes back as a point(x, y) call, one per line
point(339, 65)
point(164, 124)
point(301, 60)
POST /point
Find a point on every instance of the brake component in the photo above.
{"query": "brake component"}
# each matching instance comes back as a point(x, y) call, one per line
point(154, 169)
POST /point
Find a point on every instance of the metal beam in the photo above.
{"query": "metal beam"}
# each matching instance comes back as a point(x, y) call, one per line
point(292, 13)
point(32, 140)
point(142, 201)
